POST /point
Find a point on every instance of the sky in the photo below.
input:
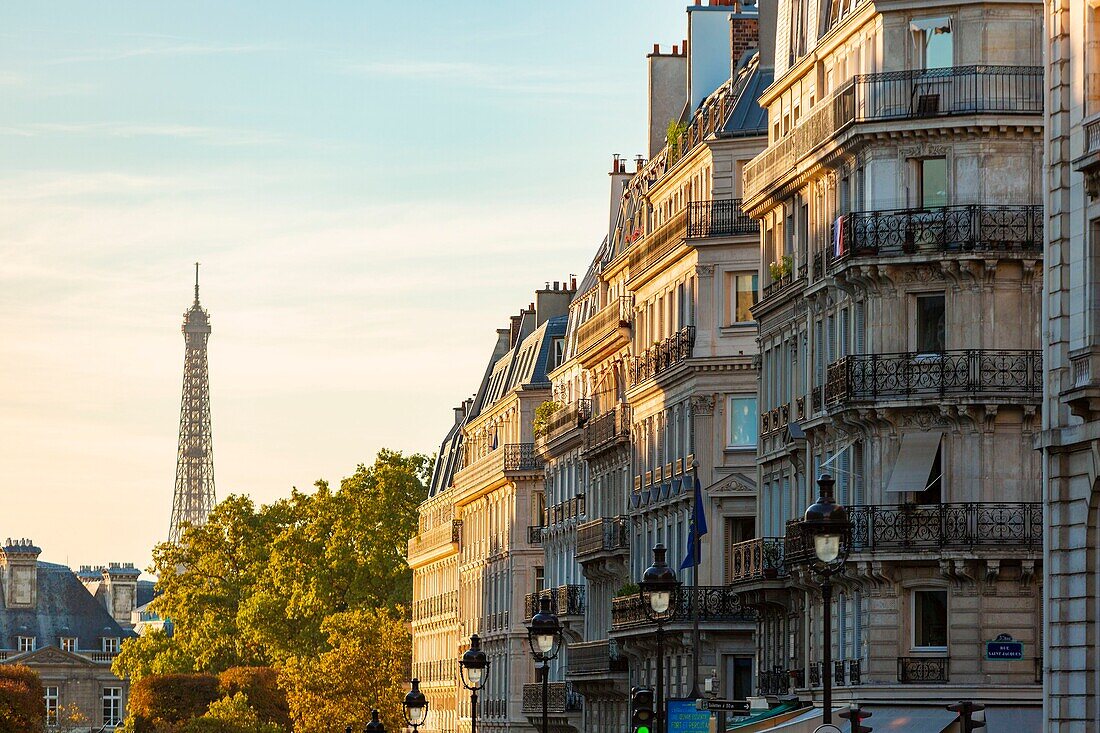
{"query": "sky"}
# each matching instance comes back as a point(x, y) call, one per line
point(372, 188)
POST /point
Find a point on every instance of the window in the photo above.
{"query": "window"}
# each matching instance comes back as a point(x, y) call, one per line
point(930, 619)
point(25, 644)
point(559, 353)
point(743, 422)
point(51, 705)
point(68, 643)
point(742, 296)
point(931, 324)
point(112, 706)
point(935, 49)
point(932, 182)
point(110, 644)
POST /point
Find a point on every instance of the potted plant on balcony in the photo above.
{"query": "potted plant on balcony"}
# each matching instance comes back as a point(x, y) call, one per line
point(781, 268)
point(542, 417)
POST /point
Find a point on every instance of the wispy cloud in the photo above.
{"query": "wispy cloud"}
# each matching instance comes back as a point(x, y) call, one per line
point(222, 136)
point(162, 49)
point(482, 76)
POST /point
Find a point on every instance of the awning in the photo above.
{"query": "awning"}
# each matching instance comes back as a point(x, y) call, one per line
point(746, 725)
point(914, 463)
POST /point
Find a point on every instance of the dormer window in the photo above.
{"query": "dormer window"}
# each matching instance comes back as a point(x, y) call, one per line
point(25, 643)
point(110, 644)
point(68, 643)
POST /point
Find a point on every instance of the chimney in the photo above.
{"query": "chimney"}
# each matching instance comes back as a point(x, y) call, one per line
point(744, 36)
point(768, 15)
point(19, 571)
point(514, 329)
point(551, 303)
point(120, 582)
point(667, 92)
point(619, 179)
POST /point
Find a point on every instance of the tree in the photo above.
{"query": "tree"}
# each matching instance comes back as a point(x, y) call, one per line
point(363, 668)
point(231, 714)
point(154, 652)
point(261, 686)
point(21, 695)
point(160, 701)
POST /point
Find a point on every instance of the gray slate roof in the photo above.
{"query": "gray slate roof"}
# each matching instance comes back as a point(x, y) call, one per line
point(65, 608)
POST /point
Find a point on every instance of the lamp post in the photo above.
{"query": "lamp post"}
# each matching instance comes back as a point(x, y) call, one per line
point(544, 635)
point(472, 665)
point(658, 594)
point(826, 523)
point(415, 706)
point(375, 725)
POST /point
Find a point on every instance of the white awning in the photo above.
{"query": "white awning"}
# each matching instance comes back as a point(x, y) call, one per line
point(914, 463)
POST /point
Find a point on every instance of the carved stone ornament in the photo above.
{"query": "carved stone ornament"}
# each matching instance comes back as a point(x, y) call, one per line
point(921, 274)
point(704, 270)
point(702, 405)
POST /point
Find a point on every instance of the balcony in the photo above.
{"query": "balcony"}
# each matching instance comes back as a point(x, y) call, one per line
point(712, 604)
point(900, 95)
point(534, 534)
point(773, 682)
point(522, 458)
point(565, 600)
point(655, 245)
point(607, 430)
point(662, 356)
point(922, 669)
point(719, 218)
point(846, 672)
point(560, 698)
point(1089, 162)
point(976, 229)
point(437, 537)
point(445, 603)
point(596, 658)
point(756, 559)
point(980, 374)
point(566, 510)
point(609, 327)
point(606, 534)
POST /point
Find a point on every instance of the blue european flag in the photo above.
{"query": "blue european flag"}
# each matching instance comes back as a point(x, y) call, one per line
point(698, 528)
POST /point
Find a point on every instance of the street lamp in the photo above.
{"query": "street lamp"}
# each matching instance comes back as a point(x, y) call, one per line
point(658, 594)
point(375, 725)
point(827, 524)
point(472, 665)
point(544, 635)
point(415, 706)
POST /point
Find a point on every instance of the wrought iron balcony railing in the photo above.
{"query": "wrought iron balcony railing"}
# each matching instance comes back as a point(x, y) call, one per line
point(442, 534)
point(777, 286)
point(560, 698)
point(521, 457)
point(845, 672)
point(605, 534)
point(923, 669)
point(773, 682)
point(567, 417)
point(654, 245)
point(606, 323)
point(719, 218)
point(713, 604)
point(568, 509)
point(565, 600)
point(435, 605)
point(935, 526)
point(534, 534)
point(596, 657)
point(663, 356)
point(976, 228)
point(900, 95)
point(1005, 375)
point(610, 428)
point(756, 559)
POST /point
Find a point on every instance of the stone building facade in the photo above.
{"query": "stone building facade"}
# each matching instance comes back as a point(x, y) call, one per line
point(1071, 335)
point(902, 265)
point(68, 629)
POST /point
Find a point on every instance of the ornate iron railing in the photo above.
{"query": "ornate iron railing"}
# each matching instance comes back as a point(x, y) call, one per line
point(609, 428)
point(920, 93)
point(712, 604)
point(974, 228)
point(606, 322)
point(777, 286)
point(934, 526)
point(773, 682)
point(1001, 375)
point(663, 356)
point(534, 534)
point(596, 657)
point(565, 600)
point(719, 218)
point(755, 559)
point(605, 534)
point(567, 417)
point(521, 457)
point(923, 669)
point(568, 509)
point(435, 605)
point(845, 672)
point(560, 698)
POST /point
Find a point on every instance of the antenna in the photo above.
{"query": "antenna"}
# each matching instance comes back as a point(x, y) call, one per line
point(196, 282)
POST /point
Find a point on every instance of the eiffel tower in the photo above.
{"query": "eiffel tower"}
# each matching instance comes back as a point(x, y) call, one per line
point(194, 494)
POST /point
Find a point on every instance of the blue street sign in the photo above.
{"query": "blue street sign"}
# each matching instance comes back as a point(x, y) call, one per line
point(684, 717)
point(1004, 647)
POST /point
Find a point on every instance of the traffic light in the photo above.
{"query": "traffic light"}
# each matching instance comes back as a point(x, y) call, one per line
point(971, 715)
point(856, 716)
point(641, 709)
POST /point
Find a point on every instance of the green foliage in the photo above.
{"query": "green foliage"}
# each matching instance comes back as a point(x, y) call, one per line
point(261, 686)
point(21, 693)
point(151, 653)
point(367, 659)
point(231, 714)
point(673, 133)
point(159, 702)
point(630, 589)
point(542, 416)
point(781, 267)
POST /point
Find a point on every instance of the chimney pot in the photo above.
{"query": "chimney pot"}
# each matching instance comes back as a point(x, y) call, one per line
point(656, 48)
point(675, 50)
